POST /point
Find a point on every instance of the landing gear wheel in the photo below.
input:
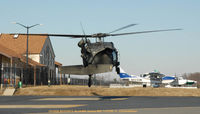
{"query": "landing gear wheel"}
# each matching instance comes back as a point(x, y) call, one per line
point(90, 81)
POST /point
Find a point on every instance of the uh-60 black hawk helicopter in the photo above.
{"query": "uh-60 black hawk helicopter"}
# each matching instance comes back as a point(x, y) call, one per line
point(99, 56)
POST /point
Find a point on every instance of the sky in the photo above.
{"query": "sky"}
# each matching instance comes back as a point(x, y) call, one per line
point(174, 52)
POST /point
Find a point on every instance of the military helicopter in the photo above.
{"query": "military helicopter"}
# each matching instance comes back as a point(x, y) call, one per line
point(99, 56)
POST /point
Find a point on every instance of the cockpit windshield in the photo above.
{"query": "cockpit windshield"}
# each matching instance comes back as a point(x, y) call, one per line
point(114, 54)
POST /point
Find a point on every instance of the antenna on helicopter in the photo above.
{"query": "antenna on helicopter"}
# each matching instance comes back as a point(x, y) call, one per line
point(86, 41)
point(83, 31)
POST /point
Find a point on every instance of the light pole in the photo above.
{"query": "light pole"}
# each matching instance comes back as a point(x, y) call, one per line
point(27, 27)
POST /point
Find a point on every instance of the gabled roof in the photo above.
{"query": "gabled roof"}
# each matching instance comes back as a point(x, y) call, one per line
point(8, 52)
point(31, 62)
point(57, 63)
point(18, 44)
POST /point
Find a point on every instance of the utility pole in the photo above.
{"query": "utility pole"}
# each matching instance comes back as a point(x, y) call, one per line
point(27, 28)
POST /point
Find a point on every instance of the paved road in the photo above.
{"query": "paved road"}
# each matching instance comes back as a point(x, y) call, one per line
point(83, 105)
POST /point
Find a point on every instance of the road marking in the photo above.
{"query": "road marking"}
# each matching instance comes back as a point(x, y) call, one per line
point(39, 106)
point(119, 99)
point(127, 110)
point(78, 99)
point(166, 108)
point(69, 99)
point(120, 110)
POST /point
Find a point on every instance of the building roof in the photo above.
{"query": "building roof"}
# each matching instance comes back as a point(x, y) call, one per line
point(57, 63)
point(18, 44)
point(11, 46)
point(15, 46)
point(8, 52)
point(31, 62)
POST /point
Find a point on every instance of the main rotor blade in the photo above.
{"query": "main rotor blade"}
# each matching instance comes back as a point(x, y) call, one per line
point(129, 33)
point(98, 35)
point(123, 28)
point(59, 35)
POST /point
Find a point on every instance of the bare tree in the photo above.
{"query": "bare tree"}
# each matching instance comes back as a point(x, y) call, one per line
point(185, 75)
point(196, 77)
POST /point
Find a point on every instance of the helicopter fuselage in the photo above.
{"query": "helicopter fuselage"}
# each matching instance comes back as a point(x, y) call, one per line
point(99, 53)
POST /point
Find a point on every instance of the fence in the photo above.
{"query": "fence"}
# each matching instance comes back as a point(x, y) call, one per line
point(10, 76)
point(75, 81)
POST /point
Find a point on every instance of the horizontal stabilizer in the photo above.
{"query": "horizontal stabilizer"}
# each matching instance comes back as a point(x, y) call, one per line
point(90, 69)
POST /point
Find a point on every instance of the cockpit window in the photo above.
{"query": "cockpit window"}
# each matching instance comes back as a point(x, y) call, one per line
point(114, 54)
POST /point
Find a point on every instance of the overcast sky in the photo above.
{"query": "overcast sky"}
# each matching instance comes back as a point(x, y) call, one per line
point(169, 52)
